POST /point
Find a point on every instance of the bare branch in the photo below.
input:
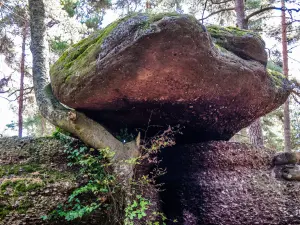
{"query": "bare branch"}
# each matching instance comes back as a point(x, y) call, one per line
point(31, 89)
point(8, 99)
point(294, 59)
point(218, 3)
point(295, 98)
point(293, 47)
point(2, 92)
point(204, 10)
point(216, 12)
point(261, 10)
point(52, 22)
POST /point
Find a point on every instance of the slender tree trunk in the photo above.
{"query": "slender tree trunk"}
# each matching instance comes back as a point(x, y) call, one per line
point(255, 133)
point(287, 124)
point(255, 130)
point(240, 14)
point(43, 125)
point(89, 131)
point(22, 69)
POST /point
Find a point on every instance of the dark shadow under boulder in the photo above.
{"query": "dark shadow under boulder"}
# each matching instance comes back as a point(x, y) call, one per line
point(226, 183)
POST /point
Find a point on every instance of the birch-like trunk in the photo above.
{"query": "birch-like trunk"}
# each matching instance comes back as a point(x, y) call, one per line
point(287, 123)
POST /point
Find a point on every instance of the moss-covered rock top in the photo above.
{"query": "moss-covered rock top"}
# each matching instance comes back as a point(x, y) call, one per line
point(81, 55)
point(218, 31)
point(26, 150)
point(244, 43)
point(81, 58)
point(279, 80)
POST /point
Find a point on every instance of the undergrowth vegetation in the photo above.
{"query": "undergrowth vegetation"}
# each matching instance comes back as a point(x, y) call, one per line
point(93, 175)
point(101, 191)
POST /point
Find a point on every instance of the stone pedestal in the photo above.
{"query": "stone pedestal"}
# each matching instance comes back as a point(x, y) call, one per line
point(226, 183)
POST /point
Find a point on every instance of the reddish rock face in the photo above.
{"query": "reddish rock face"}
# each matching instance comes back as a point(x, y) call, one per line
point(218, 183)
point(166, 71)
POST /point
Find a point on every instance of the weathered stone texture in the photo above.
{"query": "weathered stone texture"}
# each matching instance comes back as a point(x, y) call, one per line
point(166, 69)
point(41, 150)
point(39, 165)
point(227, 183)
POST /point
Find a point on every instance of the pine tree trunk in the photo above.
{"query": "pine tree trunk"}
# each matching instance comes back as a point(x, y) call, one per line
point(240, 14)
point(287, 129)
point(255, 133)
point(22, 69)
point(254, 130)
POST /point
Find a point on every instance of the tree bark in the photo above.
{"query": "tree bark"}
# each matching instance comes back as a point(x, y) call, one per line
point(255, 130)
point(255, 133)
point(287, 124)
point(22, 69)
point(74, 122)
point(240, 14)
point(43, 126)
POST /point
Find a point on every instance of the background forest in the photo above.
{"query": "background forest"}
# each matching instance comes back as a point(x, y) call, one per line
point(68, 21)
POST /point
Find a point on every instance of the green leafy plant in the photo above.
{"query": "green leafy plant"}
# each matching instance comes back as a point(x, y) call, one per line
point(96, 185)
point(99, 186)
point(140, 207)
point(137, 209)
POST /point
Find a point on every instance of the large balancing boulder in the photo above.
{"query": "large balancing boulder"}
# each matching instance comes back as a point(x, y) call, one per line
point(151, 71)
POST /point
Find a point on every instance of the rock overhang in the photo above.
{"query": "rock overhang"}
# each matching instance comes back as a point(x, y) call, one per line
point(169, 68)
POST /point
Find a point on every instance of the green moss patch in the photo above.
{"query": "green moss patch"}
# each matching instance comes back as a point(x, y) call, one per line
point(217, 31)
point(80, 59)
point(34, 170)
point(278, 78)
point(82, 56)
point(4, 211)
point(19, 186)
point(152, 18)
point(22, 184)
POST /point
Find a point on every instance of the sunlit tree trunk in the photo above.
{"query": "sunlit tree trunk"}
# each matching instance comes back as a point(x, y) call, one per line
point(22, 69)
point(255, 133)
point(287, 124)
point(240, 14)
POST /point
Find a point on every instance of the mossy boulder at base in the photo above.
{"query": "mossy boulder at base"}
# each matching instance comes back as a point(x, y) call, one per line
point(150, 71)
point(207, 183)
point(34, 180)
